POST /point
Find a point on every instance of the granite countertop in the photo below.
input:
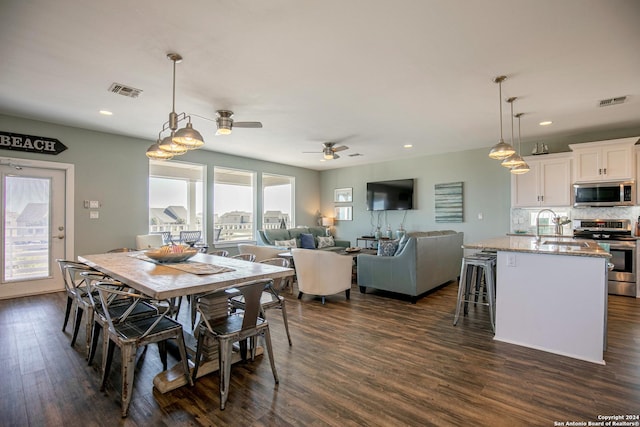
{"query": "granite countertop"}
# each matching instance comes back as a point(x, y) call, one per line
point(551, 245)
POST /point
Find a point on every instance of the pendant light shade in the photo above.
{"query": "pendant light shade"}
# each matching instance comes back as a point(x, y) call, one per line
point(522, 167)
point(189, 137)
point(169, 146)
point(501, 150)
point(154, 152)
point(514, 159)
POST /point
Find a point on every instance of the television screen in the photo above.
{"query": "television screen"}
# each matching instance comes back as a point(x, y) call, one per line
point(390, 195)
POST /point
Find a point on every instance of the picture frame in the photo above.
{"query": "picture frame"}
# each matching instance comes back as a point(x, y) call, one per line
point(449, 202)
point(343, 213)
point(343, 195)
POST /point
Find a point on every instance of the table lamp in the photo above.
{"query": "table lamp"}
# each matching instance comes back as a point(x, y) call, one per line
point(327, 222)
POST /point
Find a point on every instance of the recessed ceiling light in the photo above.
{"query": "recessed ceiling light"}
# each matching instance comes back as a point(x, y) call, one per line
point(323, 160)
point(545, 123)
point(106, 113)
point(408, 145)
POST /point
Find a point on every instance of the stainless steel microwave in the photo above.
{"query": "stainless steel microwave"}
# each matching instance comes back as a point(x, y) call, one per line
point(619, 193)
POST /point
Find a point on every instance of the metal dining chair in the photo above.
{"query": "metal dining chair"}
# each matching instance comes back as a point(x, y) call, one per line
point(117, 307)
point(219, 252)
point(245, 257)
point(130, 333)
point(76, 296)
point(270, 297)
point(190, 237)
point(234, 327)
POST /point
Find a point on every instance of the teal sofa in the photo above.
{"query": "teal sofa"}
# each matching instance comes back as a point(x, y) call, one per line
point(268, 237)
point(426, 261)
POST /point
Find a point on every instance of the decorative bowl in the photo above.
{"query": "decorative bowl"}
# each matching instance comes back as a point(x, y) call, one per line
point(174, 253)
point(356, 249)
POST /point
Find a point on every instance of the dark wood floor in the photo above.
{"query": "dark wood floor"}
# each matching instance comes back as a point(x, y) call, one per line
point(373, 361)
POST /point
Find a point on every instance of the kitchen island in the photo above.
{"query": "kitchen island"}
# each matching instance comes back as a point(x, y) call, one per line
point(551, 294)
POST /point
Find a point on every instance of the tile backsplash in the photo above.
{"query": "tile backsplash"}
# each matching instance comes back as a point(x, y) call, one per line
point(523, 219)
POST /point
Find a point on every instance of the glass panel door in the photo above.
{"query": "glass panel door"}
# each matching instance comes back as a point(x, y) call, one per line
point(33, 230)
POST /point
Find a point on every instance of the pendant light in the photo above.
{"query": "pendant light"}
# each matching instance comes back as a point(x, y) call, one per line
point(501, 150)
point(524, 167)
point(154, 152)
point(168, 144)
point(514, 159)
point(182, 140)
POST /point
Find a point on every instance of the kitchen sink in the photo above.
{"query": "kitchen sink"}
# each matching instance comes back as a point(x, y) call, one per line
point(566, 243)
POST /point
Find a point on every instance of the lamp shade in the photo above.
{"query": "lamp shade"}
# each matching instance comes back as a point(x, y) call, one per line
point(154, 152)
point(513, 161)
point(169, 146)
point(501, 150)
point(188, 137)
point(327, 222)
point(521, 169)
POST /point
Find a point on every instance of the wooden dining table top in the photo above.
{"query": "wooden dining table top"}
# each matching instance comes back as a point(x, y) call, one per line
point(163, 281)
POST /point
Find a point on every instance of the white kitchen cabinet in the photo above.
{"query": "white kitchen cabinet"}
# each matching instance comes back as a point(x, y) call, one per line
point(611, 160)
point(548, 183)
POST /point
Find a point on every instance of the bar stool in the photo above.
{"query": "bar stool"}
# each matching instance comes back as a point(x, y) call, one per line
point(477, 270)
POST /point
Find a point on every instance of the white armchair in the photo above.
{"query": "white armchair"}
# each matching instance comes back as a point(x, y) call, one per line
point(146, 241)
point(322, 272)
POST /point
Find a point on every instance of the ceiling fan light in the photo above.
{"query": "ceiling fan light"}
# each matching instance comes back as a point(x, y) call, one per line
point(188, 137)
point(501, 150)
point(169, 146)
point(521, 169)
point(328, 153)
point(154, 152)
point(512, 161)
point(223, 130)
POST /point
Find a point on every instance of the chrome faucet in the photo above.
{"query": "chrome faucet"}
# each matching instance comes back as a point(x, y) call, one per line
point(558, 228)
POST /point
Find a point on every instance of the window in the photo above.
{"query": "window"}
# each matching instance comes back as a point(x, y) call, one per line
point(277, 201)
point(233, 204)
point(176, 198)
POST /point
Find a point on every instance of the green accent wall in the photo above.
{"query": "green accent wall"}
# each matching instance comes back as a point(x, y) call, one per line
point(486, 191)
point(114, 170)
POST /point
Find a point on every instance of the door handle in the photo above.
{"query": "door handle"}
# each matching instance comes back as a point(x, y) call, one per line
point(59, 236)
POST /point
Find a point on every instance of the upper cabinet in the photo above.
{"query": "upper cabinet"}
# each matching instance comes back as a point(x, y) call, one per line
point(611, 160)
point(548, 183)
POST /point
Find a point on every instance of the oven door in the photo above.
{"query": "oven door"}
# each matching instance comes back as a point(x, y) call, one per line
point(622, 279)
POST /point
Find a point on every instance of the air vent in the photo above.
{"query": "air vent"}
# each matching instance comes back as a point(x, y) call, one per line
point(355, 155)
point(123, 90)
point(612, 101)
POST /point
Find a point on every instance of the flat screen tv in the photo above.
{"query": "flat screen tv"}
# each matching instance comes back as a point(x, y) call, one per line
point(390, 195)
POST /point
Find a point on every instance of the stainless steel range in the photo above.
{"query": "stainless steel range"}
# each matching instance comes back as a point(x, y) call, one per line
point(616, 234)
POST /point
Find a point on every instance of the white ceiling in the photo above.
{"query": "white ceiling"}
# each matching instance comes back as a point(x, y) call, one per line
point(370, 74)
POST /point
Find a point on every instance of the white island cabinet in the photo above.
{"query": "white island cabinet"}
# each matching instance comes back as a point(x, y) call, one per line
point(551, 296)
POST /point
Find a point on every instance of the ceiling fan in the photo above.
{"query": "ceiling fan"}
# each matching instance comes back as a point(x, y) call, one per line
point(329, 150)
point(225, 123)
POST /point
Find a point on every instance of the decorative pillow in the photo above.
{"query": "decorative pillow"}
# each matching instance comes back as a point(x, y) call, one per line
point(307, 241)
point(325, 242)
point(286, 243)
point(402, 243)
point(387, 247)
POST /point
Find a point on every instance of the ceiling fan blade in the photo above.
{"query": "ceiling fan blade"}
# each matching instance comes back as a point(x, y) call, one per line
point(247, 124)
point(341, 148)
point(335, 156)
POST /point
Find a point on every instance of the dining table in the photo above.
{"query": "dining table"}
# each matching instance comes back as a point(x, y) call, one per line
point(200, 274)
